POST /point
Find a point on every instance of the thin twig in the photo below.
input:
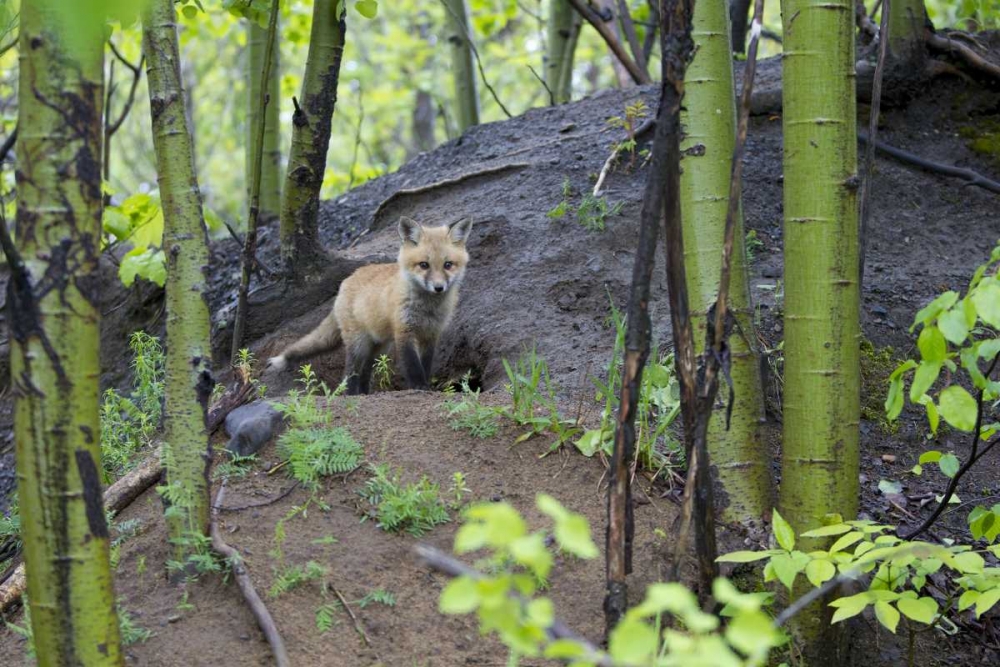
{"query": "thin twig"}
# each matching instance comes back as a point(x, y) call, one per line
point(258, 263)
point(974, 455)
point(594, 19)
point(8, 144)
point(479, 62)
point(242, 578)
point(866, 181)
point(812, 596)
point(263, 503)
point(250, 242)
point(442, 562)
point(552, 97)
point(357, 624)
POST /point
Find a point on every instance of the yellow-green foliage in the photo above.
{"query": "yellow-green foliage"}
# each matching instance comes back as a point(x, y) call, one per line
point(876, 366)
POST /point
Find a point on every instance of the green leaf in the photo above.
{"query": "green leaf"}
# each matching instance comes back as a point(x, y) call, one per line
point(930, 456)
point(752, 633)
point(889, 487)
point(986, 298)
point(933, 347)
point(783, 532)
point(745, 556)
point(141, 262)
point(820, 571)
point(927, 373)
point(541, 612)
point(573, 535)
point(958, 408)
point(969, 562)
point(530, 551)
point(846, 541)
point(987, 600)
point(953, 325)
point(935, 308)
point(633, 641)
point(849, 606)
point(367, 8)
point(968, 599)
point(590, 442)
point(949, 465)
point(921, 610)
point(887, 615)
point(561, 649)
point(787, 567)
point(115, 222)
point(460, 596)
point(827, 531)
point(189, 11)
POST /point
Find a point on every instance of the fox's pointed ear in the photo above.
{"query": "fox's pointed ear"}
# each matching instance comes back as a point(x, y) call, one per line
point(409, 230)
point(458, 232)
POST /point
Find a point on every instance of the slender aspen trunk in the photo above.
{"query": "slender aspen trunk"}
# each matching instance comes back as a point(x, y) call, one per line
point(906, 29)
point(740, 462)
point(822, 385)
point(54, 321)
point(466, 94)
point(300, 246)
point(186, 452)
point(270, 174)
point(561, 45)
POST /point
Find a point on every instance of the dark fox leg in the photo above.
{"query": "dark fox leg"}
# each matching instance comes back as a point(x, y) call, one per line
point(413, 368)
point(427, 359)
point(358, 365)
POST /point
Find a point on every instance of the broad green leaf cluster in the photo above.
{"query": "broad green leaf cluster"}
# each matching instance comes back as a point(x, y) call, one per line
point(667, 628)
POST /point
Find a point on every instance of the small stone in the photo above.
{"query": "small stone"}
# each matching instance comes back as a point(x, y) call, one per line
point(889, 458)
point(879, 310)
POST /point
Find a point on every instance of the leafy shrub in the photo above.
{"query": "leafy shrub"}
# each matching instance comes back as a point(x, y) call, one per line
point(467, 414)
point(317, 452)
point(411, 508)
point(128, 423)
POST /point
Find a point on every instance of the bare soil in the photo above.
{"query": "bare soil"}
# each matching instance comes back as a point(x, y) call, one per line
point(534, 280)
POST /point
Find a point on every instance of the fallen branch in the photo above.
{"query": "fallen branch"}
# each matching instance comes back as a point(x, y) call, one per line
point(117, 497)
point(971, 177)
point(242, 578)
point(357, 624)
point(423, 189)
point(263, 503)
point(962, 52)
point(442, 562)
point(595, 19)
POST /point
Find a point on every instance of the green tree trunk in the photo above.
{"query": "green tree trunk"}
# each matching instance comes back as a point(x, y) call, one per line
point(270, 176)
point(906, 29)
point(822, 378)
point(464, 69)
point(740, 461)
point(186, 452)
point(561, 45)
point(300, 245)
point(54, 324)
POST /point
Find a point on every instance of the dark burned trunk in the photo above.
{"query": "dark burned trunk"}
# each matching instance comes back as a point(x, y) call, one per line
point(738, 16)
point(661, 196)
point(301, 250)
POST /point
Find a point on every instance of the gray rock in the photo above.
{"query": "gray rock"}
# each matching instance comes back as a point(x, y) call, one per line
point(250, 427)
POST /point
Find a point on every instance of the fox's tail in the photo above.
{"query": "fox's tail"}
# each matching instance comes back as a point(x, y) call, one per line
point(321, 339)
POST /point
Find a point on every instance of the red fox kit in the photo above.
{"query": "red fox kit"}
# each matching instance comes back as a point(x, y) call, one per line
point(408, 303)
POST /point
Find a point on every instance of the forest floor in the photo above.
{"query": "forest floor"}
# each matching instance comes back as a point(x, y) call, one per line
point(535, 280)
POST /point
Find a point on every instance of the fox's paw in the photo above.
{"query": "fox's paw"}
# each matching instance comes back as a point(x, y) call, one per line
point(278, 363)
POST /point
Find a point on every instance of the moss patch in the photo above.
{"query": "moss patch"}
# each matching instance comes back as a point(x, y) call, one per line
point(983, 138)
point(876, 366)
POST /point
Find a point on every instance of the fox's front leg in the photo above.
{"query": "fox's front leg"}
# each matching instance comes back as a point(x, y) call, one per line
point(408, 350)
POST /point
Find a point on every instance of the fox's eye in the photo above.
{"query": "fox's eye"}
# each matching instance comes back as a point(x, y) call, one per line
point(424, 265)
point(447, 266)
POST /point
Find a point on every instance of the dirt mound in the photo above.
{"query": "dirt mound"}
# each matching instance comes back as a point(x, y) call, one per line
point(540, 280)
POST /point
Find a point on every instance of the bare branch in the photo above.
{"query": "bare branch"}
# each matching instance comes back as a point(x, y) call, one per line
point(479, 62)
point(595, 19)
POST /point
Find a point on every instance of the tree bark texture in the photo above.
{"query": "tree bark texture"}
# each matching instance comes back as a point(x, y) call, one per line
point(270, 173)
point(740, 463)
point(463, 67)
point(561, 43)
point(907, 20)
point(822, 384)
point(54, 321)
point(188, 380)
point(300, 246)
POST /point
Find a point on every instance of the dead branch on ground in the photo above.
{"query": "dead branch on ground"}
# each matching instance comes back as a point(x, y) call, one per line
point(968, 175)
point(242, 578)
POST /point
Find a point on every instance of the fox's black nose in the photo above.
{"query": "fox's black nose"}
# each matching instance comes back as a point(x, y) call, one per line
point(439, 288)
